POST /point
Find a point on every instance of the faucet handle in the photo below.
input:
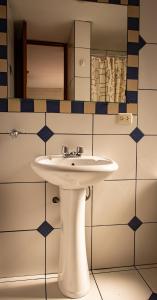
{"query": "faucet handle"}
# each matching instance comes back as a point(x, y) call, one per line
point(79, 150)
point(65, 150)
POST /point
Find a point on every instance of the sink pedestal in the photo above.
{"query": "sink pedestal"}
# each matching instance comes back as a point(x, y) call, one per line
point(73, 278)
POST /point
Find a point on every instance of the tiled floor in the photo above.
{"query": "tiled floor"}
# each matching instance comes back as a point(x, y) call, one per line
point(138, 283)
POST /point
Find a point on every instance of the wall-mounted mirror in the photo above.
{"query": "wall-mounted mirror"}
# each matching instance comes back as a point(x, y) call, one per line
point(75, 50)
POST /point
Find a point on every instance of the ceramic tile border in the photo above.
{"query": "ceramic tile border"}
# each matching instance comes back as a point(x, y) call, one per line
point(66, 106)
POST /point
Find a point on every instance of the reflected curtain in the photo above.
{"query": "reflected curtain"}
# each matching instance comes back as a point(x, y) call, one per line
point(108, 78)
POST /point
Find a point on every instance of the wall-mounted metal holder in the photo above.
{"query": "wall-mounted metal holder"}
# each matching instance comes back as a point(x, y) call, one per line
point(14, 133)
point(56, 199)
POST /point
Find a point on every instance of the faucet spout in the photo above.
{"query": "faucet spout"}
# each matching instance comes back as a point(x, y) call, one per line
point(77, 153)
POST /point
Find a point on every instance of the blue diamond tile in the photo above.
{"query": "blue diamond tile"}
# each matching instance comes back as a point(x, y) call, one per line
point(153, 296)
point(135, 223)
point(137, 134)
point(45, 228)
point(142, 42)
point(45, 133)
point(4, 105)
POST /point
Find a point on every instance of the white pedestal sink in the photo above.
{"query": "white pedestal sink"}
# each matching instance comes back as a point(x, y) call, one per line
point(73, 175)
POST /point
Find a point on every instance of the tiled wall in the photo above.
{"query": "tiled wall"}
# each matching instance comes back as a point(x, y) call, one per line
point(82, 60)
point(121, 217)
point(79, 61)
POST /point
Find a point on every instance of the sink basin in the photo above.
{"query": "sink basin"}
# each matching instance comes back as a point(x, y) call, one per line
point(73, 172)
point(73, 175)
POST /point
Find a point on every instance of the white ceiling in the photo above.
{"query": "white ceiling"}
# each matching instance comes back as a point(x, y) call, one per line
point(51, 20)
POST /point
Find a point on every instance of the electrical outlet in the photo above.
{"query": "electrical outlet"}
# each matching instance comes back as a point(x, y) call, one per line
point(125, 118)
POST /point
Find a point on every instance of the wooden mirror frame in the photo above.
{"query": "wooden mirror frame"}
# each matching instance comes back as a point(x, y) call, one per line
point(67, 106)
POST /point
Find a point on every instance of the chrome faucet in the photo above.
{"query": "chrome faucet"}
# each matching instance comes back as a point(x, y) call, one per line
point(77, 153)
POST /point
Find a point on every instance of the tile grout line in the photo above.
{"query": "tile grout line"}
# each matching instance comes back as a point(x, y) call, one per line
point(97, 286)
point(143, 279)
point(115, 271)
point(149, 267)
point(45, 221)
point(92, 199)
point(83, 134)
point(109, 180)
point(87, 226)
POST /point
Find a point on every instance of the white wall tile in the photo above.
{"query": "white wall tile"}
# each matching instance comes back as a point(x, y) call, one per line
point(71, 63)
point(148, 20)
point(54, 145)
point(146, 244)
point(22, 206)
point(82, 89)
point(146, 158)
point(22, 253)
point(52, 249)
point(71, 90)
point(146, 200)
point(82, 55)
point(88, 245)
point(82, 34)
point(69, 123)
point(24, 122)
point(147, 67)
point(120, 148)
point(16, 155)
point(147, 108)
point(122, 285)
point(53, 209)
point(108, 124)
point(113, 202)
point(23, 290)
point(112, 246)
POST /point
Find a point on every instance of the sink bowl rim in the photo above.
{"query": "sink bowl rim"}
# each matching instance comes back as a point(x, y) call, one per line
point(109, 166)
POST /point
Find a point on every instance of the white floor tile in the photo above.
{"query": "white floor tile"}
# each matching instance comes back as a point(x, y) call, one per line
point(23, 290)
point(127, 285)
point(150, 275)
point(54, 293)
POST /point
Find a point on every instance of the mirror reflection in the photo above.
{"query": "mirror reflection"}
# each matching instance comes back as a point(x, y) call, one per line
point(71, 49)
